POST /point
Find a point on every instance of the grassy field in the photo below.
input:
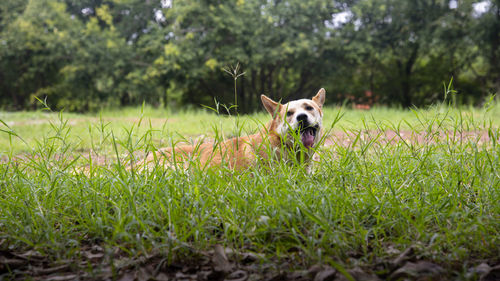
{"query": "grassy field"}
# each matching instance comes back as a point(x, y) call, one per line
point(421, 201)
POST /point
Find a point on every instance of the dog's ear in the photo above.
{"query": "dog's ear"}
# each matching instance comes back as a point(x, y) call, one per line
point(271, 106)
point(319, 98)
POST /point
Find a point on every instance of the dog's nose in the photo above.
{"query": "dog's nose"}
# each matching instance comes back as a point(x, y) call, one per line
point(302, 117)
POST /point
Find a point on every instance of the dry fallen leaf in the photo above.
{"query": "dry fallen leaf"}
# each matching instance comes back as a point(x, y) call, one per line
point(10, 263)
point(493, 274)
point(417, 270)
point(89, 255)
point(404, 256)
point(251, 257)
point(60, 277)
point(220, 260)
point(129, 276)
point(40, 271)
point(326, 274)
point(358, 274)
point(161, 277)
point(479, 271)
point(238, 275)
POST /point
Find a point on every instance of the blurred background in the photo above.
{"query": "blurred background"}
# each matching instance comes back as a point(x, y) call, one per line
point(85, 55)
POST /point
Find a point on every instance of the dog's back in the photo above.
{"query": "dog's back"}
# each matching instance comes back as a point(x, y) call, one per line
point(302, 116)
point(236, 153)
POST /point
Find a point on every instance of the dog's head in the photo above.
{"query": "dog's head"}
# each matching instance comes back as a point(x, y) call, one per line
point(300, 117)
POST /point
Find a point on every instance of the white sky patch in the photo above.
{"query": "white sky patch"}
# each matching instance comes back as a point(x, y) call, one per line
point(169, 36)
point(339, 19)
point(480, 8)
point(166, 4)
point(453, 4)
point(357, 24)
point(159, 16)
point(87, 11)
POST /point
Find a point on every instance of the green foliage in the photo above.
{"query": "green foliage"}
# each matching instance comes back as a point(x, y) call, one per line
point(85, 55)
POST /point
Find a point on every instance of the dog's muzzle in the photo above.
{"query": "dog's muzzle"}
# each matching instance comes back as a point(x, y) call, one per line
point(308, 134)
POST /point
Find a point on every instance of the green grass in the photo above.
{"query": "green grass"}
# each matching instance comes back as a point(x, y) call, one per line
point(165, 126)
point(363, 199)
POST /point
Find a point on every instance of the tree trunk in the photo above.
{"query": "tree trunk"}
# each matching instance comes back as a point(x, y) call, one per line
point(406, 98)
point(207, 88)
point(304, 77)
point(269, 79)
point(262, 82)
point(254, 94)
point(242, 99)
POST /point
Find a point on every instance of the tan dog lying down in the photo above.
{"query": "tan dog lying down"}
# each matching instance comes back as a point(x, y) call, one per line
point(300, 117)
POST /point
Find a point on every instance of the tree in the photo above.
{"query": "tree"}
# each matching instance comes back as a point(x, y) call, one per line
point(278, 43)
point(487, 31)
point(35, 46)
point(83, 55)
point(405, 41)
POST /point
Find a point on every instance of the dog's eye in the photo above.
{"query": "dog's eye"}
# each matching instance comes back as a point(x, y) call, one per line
point(289, 113)
point(309, 108)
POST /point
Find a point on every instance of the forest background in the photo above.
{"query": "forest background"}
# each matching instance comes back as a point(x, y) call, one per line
point(85, 55)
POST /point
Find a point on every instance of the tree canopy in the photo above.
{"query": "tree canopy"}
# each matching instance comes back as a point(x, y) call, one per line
point(84, 55)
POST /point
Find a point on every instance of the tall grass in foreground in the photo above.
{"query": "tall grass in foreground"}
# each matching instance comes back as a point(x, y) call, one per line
point(364, 198)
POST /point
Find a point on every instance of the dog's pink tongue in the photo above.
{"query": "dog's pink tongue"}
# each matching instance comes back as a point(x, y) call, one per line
point(307, 138)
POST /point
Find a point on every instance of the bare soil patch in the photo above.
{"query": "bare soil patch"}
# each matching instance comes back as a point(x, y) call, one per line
point(340, 138)
point(389, 137)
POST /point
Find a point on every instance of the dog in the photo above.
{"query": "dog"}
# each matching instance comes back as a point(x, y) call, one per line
point(293, 134)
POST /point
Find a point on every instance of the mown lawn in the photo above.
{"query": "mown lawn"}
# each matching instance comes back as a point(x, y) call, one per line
point(421, 200)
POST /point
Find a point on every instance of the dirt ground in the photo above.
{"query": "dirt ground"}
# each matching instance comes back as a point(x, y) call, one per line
point(389, 137)
point(347, 139)
point(95, 263)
